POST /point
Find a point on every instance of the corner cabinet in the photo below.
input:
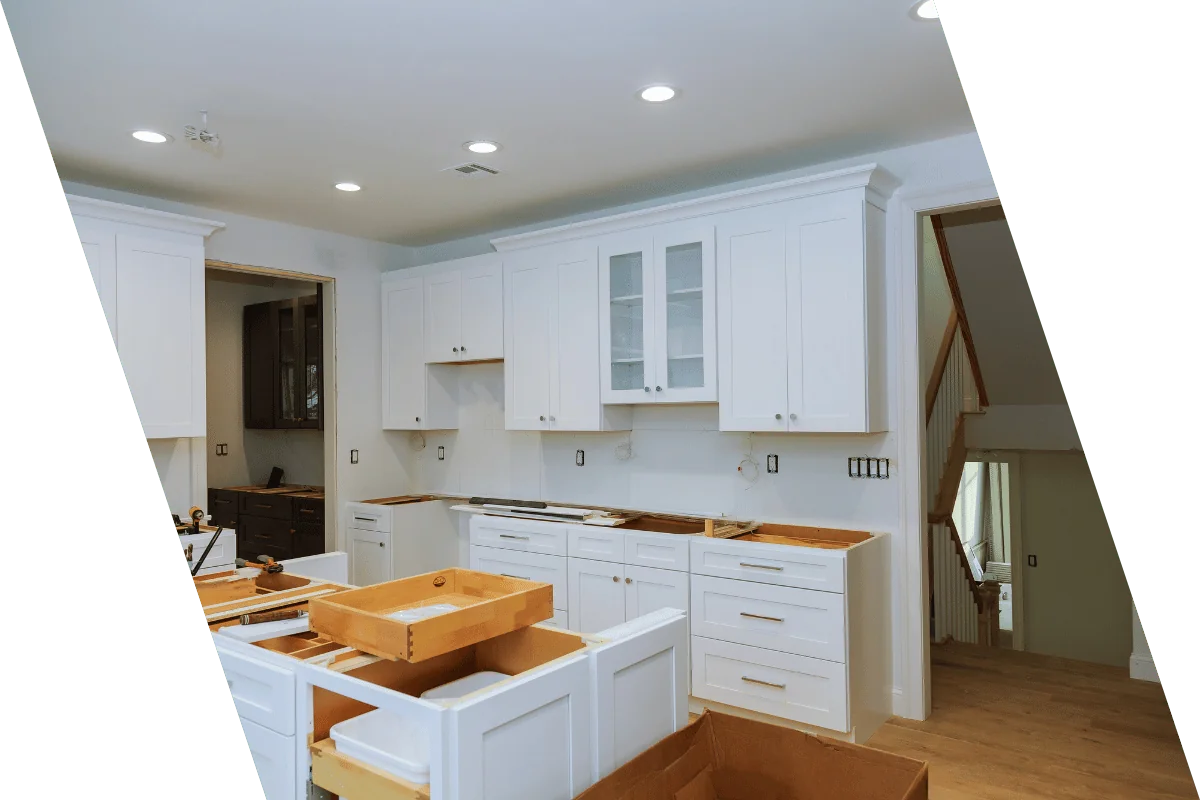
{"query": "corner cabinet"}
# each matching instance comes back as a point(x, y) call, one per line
point(148, 269)
point(552, 342)
point(658, 315)
point(800, 314)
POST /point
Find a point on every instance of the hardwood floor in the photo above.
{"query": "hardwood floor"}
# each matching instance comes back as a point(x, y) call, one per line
point(1009, 724)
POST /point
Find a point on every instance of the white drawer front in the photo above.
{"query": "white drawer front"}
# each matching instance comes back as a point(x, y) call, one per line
point(798, 621)
point(657, 550)
point(802, 567)
point(368, 517)
point(548, 538)
point(263, 693)
point(596, 543)
point(223, 552)
point(783, 685)
point(275, 759)
point(559, 620)
point(526, 566)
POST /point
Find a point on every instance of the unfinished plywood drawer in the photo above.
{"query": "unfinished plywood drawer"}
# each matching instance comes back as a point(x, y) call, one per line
point(531, 536)
point(356, 780)
point(799, 621)
point(783, 685)
point(524, 566)
point(784, 565)
point(486, 606)
point(262, 693)
point(657, 550)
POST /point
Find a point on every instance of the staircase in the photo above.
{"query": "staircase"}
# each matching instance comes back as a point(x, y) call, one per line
point(964, 607)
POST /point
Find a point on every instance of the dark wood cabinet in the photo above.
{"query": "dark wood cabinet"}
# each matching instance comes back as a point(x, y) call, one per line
point(282, 364)
point(223, 508)
point(281, 526)
point(264, 536)
point(308, 540)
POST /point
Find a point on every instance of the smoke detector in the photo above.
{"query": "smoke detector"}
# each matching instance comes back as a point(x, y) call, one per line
point(472, 170)
point(202, 135)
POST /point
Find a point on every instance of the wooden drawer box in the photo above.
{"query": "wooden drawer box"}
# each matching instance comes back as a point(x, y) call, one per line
point(487, 606)
point(266, 505)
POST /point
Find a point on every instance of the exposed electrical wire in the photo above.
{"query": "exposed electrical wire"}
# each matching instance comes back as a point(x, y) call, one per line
point(416, 440)
point(625, 449)
point(748, 468)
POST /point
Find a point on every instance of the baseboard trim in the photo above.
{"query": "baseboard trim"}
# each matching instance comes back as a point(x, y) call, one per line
point(1141, 668)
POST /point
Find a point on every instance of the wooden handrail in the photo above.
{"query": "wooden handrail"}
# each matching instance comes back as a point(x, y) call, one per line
point(939, 233)
point(939, 364)
point(986, 593)
point(963, 559)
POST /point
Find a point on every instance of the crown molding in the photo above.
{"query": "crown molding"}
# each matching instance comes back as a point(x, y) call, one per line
point(146, 217)
point(877, 183)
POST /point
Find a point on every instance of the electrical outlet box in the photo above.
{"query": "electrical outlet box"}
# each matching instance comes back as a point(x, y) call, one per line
point(441, 453)
point(353, 456)
point(868, 467)
point(579, 458)
point(772, 464)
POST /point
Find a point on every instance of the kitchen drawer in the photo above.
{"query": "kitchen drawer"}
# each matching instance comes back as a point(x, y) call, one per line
point(309, 510)
point(223, 553)
point(367, 517)
point(785, 565)
point(264, 536)
point(275, 760)
point(798, 621)
point(531, 536)
point(266, 505)
point(596, 543)
point(657, 550)
point(223, 507)
point(806, 690)
point(263, 693)
point(526, 566)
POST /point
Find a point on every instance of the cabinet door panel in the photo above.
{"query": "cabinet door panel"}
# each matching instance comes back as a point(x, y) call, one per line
point(311, 342)
point(443, 317)
point(626, 316)
point(99, 241)
point(575, 334)
point(160, 333)
point(527, 347)
point(370, 556)
point(648, 589)
point(403, 355)
point(685, 338)
point(752, 318)
point(258, 366)
point(597, 592)
point(482, 313)
point(264, 536)
point(827, 369)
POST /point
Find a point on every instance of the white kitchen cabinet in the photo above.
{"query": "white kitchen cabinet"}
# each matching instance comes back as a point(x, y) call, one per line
point(274, 758)
point(415, 396)
point(148, 269)
point(370, 555)
point(648, 589)
point(800, 316)
point(464, 314)
point(417, 534)
point(551, 342)
point(597, 592)
point(658, 315)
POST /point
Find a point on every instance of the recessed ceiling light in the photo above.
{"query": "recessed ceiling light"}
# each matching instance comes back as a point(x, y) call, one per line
point(657, 94)
point(925, 10)
point(153, 137)
point(347, 187)
point(482, 147)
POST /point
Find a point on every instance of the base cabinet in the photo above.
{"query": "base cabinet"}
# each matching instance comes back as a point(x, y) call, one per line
point(275, 760)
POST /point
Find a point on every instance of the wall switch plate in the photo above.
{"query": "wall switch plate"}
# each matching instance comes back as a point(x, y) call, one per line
point(772, 464)
point(441, 453)
point(222, 449)
point(1033, 561)
point(579, 458)
point(353, 456)
point(867, 467)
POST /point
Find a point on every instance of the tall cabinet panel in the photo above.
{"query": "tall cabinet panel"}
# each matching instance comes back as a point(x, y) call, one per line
point(99, 242)
point(403, 354)
point(574, 328)
point(527, 350)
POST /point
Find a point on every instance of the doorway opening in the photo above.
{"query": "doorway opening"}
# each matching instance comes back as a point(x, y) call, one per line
point(271, 446)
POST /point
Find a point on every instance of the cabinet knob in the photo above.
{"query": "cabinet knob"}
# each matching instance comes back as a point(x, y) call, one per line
point(456, 349)
point(616, 579)
point(629, 580)
point(542, 418)
point(793, 416)
point(647, 388)
point(779, 416)
point(381, 544)
point(462, 349)
point(658, 388)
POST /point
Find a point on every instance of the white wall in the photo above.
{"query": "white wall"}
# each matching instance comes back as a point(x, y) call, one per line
point(252, 453)
point(1076, 600)
point(1044, 427)
point(355, 265)
point(1141, 662)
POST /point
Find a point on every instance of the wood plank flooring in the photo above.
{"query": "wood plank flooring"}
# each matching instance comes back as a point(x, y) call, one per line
point(1009, 724)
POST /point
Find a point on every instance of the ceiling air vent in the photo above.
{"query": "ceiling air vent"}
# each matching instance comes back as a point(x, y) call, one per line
point(473, 170)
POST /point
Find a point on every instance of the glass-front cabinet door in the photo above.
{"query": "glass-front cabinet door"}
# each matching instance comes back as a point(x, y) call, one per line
point(627, 319)
point(685, 314)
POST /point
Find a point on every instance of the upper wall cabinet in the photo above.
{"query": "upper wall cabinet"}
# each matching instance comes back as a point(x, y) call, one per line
point(552, 342)
point(148, 269)
point(658, 315)
point(801, 315)
point(416, 397)
point(282, 364)
point(464, 314)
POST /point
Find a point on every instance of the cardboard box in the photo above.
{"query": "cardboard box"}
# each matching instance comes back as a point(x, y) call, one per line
point(720, 757)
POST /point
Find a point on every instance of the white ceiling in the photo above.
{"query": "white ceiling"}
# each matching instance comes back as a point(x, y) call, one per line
point(306, 93)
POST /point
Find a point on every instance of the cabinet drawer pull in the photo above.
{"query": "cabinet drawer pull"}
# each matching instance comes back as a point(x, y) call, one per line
point(760, 566)
point(760, 616)
point(365, 519)
point(222, 502)
point(307, 511)
point(518, 577)
point(261, 505)
point(510, 536)
point(764, 683)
